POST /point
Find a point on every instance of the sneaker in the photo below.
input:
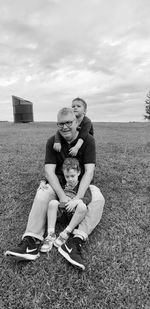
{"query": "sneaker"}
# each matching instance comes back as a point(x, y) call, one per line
point(28, 249)
point(61, 239)
point(71, 251)
point(48, 243)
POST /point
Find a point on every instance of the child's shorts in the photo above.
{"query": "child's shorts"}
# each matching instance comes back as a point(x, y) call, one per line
point(62, 211)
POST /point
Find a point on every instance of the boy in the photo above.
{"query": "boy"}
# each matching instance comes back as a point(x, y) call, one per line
point(74, 209)
point(84, 126)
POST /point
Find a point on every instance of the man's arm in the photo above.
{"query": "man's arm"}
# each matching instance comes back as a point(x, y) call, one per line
point(54, 182)
point(86, 179)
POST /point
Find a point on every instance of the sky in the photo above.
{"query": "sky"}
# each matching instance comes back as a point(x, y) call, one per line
point(52, 51)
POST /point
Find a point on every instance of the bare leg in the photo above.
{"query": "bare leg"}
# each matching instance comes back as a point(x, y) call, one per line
point(52, 214)
point(93, 215)
point(77, 217)
point(51, 217)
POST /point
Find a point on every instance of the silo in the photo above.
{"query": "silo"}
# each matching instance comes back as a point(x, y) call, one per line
point(22, 110)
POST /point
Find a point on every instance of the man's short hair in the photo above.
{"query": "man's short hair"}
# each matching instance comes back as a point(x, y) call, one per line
point(65, 111)
point(71, 163)
point(83, 102)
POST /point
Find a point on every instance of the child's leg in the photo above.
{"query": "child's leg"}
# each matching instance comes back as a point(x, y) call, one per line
point(51, 217)
point(77, 217)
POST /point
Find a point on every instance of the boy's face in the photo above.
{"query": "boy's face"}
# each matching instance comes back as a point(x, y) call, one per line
point(78, 108)
point(71, 176)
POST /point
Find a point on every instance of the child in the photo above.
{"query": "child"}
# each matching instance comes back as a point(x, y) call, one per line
point(76, 209)
point(84, 125)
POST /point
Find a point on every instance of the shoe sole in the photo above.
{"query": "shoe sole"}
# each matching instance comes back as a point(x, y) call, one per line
point(68, 258)
point(20, 257)
point(45, 251)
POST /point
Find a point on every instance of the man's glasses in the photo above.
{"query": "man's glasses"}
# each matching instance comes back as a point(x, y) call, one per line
point(67, 123)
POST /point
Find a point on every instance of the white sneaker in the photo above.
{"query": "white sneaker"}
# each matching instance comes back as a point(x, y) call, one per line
point(48, 243)
point(61, 239)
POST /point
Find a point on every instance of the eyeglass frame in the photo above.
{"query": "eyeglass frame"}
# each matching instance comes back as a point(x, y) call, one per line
point(69, 124)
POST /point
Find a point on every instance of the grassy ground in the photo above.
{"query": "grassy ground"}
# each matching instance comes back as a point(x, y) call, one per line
point(117, 255)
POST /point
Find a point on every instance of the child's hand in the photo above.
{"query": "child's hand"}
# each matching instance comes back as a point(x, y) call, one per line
point(73, 151)
point(57, 147)
point(62, 205)
point(71, 204)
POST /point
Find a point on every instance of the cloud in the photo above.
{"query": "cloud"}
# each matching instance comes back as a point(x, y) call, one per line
point(53, 51)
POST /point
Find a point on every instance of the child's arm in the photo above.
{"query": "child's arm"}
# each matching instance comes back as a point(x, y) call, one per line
point(86, 127)
point(74, 150)
point(57, 143)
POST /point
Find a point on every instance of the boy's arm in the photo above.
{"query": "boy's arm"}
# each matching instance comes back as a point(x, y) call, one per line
point(85, 128)
point(73, 150)
point(92, 129)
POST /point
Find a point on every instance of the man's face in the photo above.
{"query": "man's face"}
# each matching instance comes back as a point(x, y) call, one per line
point(67, 126)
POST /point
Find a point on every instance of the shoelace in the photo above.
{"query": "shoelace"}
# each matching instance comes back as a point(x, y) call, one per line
point(24, 240)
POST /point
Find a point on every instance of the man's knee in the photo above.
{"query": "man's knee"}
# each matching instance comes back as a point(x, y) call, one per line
point(43, 195)
point(97, 195)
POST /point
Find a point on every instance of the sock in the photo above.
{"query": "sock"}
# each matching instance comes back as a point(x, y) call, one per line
point(51, 230)
point(78, 236)
point(68, 229)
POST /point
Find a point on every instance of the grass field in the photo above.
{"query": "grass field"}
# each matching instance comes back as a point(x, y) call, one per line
point(117, 254)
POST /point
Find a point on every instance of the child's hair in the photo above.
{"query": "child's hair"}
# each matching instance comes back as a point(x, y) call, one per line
point(71, 163)
point(81, 100)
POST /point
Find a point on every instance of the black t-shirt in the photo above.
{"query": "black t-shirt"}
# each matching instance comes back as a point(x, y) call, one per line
point(85, 155)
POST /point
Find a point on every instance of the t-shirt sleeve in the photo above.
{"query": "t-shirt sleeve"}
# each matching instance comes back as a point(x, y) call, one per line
point(85, 128)
point(50, 154)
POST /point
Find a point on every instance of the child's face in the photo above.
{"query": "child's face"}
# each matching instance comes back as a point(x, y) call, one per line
point(78, 108)
point(71, 176)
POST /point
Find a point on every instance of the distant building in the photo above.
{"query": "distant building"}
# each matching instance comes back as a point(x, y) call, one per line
point(22, 110)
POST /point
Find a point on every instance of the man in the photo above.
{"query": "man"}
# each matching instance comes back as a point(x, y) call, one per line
point(29, 247)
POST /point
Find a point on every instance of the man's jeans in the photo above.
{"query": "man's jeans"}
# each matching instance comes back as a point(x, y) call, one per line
point(38, 214)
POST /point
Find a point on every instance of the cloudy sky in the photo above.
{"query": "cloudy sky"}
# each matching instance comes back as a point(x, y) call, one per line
point(52, 51)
